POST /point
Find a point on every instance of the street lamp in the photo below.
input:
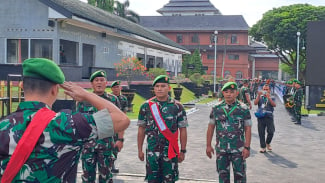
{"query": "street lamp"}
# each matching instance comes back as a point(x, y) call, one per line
point(298, 36)
point(215, 61)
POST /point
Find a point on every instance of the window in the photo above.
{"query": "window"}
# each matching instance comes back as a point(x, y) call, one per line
point(211, 56)
point(41, 48)
point(17, 50)
point(179, 38)
point(234, 39)
point(195, 38)
point(212, 38)
point(239, 75)
point(233, 57)
point(227, 73)
point(68, 52)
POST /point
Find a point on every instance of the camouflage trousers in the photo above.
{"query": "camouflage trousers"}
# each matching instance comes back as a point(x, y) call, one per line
point(115, 150)
point(160, 169)
point(91, 156)
point(238, 164)
point(297, 113)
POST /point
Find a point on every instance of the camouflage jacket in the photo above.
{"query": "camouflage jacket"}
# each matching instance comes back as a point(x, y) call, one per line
point(230, 134)
point(124, 102)
point(174, 115)
point(242, 94)
point(107, 143)
point(56, 154)
point(298, 95)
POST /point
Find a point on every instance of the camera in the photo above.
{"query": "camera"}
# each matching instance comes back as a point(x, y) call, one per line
point(263, 92)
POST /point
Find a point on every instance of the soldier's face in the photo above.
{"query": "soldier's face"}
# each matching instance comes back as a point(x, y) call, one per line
point(116, 89)
point(230, 95)
point(161, 89)
point(99, 85)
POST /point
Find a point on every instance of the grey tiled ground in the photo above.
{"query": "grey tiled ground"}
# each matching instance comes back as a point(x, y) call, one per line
point(297, 156)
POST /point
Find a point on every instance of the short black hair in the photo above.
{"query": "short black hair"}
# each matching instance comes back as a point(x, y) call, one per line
point(37, 85)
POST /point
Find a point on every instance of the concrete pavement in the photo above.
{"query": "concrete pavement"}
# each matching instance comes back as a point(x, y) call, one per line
point(297, 156)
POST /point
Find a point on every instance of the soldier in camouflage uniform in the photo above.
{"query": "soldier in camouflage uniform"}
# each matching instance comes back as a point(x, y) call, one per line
point(232, 121)
point(162, 154)
point(298, 95)
point(56, 153)
point(98, 151)
point(116, 90)
point(244, 94)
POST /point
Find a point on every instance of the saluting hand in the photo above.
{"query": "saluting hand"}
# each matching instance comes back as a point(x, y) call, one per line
point(75, 91)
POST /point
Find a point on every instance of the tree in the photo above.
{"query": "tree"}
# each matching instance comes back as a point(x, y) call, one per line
point(123, 11)
point(107, 5)
point(278, 30)
point(119, 9)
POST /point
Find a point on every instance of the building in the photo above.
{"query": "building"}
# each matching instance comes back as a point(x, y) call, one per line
point(79, 37)
point(194, 25)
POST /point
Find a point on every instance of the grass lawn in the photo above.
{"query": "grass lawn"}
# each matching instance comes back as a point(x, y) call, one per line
point(305, 111)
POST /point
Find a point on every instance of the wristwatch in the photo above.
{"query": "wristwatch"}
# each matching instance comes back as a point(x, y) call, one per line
point(120, 139)
point(183, 151)
point(248, 148)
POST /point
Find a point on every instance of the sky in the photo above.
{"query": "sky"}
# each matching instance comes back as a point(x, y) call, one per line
point(252, 10)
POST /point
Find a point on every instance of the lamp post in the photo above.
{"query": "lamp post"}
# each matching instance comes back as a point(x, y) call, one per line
point(215, 61)
point(298, 36)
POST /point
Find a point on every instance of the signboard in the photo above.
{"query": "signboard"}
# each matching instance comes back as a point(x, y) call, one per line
point(190, 66)
point(205, 68)
point(315, 97)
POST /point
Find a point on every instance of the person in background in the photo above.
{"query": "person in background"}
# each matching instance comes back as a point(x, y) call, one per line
point(163, 120)
point(55, 152)
point(232, 122)
point(119, 140)
point(244, 94)
point(266, 103)
point(98, 152)
point(297, 100)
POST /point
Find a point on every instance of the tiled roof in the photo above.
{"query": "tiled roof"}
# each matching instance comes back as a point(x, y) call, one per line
point(197, 23)
point(71, 8)
point(189, 5)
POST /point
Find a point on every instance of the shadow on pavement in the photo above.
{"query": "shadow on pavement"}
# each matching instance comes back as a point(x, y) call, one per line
point(280, 160)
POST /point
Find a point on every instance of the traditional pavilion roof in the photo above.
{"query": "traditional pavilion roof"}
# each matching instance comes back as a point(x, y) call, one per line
point(182, 6)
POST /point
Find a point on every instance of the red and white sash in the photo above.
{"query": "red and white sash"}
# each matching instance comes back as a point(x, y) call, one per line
point(173, 148)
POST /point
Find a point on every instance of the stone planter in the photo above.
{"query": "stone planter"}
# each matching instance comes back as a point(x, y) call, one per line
point(178, 93)
point(129, 94)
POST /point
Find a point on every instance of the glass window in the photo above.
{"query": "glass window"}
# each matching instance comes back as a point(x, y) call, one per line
point(239, 75)
point(234, 39)
point(68, 52)
point(41, 48)
point(211, 56)
point(195, 38)
point(227, 73)
point(233, 57)
point(212, 38)
point(17, 50)
point(179, 38)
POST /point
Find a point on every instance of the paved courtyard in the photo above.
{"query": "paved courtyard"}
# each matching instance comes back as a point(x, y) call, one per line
point(297, 156)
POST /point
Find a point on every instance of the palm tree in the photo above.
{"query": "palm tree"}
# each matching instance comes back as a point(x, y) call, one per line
point(107, 5)
point(121, 10)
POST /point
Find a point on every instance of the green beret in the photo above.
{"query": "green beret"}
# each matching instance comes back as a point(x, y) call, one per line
point(290, 82)
point(99, 73)
point(297, 81)
point(161, 79)
point(43, 68)
point(115, 83)
point(229, 85)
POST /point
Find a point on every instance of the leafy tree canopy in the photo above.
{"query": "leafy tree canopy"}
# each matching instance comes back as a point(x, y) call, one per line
point(278, 30)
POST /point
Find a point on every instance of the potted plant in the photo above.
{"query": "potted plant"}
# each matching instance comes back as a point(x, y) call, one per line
point(197, 79)
point(178, 90)
point(127, 69)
